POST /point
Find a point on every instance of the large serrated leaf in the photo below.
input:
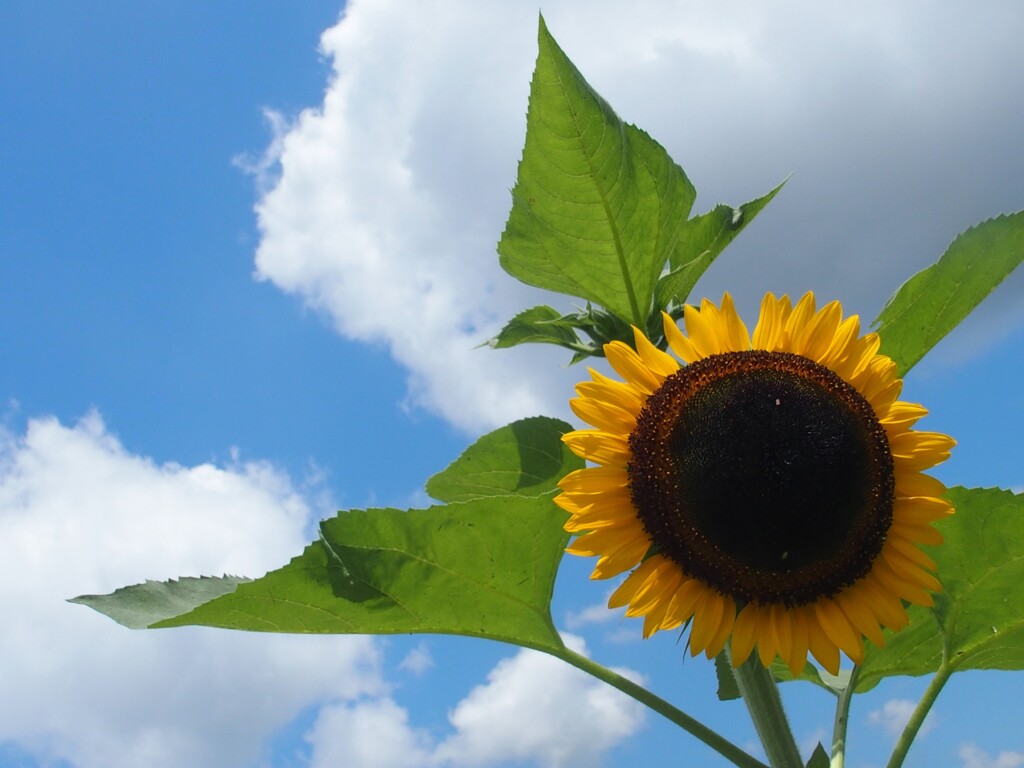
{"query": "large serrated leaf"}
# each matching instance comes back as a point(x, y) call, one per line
point(483, 567)
point(936, 299)
point(597, 204)
point(978, 618)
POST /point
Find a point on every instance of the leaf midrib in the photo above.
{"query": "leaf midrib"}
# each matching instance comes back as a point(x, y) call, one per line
point(616, 237)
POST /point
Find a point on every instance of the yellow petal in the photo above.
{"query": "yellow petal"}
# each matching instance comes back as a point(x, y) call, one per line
point(797, 321)
point(725, 627)
point(744, 634)
point(838, 629)
point(622, 397)
point(854, 604)
point(599, 447)
point(594, 480)
point(604, 416)
point(840, 347)
point(656, 360)
point(681, 345)
point(628, 364)
point(816, 338)
point(798, 652)
point(633, 582)
point(822, 648)
point(736, 338)
point(701, 331)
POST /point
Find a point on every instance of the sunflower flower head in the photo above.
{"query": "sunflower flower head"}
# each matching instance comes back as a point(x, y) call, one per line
point(769, 489)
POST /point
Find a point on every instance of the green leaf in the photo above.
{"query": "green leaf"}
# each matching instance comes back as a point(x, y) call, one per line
point(728, 690)
point(935, 300)
point(537, 325)
point(978, 618)
point(598, 205)
point(526, 458)
point(483, 567)
point(819, 758)
point(140, 606)
point(701, 240)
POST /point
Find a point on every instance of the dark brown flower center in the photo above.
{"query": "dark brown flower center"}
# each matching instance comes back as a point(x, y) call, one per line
point(763, 474)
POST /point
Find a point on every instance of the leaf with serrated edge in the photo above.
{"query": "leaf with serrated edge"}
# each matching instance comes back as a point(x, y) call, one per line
point(936, 299)
point(483, 568)
point(597, 204)
point(139, 606)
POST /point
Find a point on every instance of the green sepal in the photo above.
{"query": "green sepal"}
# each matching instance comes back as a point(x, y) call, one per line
point(934, 301)
point(538, 325)
point(819, 758)
point(728, 690)
point(543, 324)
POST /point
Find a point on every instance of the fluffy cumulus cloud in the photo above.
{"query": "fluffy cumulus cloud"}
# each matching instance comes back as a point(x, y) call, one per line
point(383, 204)
point(532, 709)
point(79, 514)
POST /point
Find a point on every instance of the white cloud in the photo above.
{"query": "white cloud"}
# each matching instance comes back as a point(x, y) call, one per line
point(598, 613)
point(418, 660)
point(532, 708)
point(371, 734)
point(390, 196)
point(79, 514)
point(975, 757)
point(895, 714)
point(535, 707)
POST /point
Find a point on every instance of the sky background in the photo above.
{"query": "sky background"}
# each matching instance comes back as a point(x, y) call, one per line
point(247, 256)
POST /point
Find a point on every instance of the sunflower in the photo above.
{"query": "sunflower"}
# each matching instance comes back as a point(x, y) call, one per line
point(770, 490)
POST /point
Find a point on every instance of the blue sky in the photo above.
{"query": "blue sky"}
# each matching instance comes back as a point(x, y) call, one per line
point(246, 256)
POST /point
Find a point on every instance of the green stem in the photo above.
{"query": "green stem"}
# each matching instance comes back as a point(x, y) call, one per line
point(899, 752)
point(841, 721)
point(696, 728)
point(761, 695)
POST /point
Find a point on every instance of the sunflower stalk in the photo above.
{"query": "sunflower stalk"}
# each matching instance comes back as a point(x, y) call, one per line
point(761, 695)
point(906, 739)
point(689, 724)
point(845, 697)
